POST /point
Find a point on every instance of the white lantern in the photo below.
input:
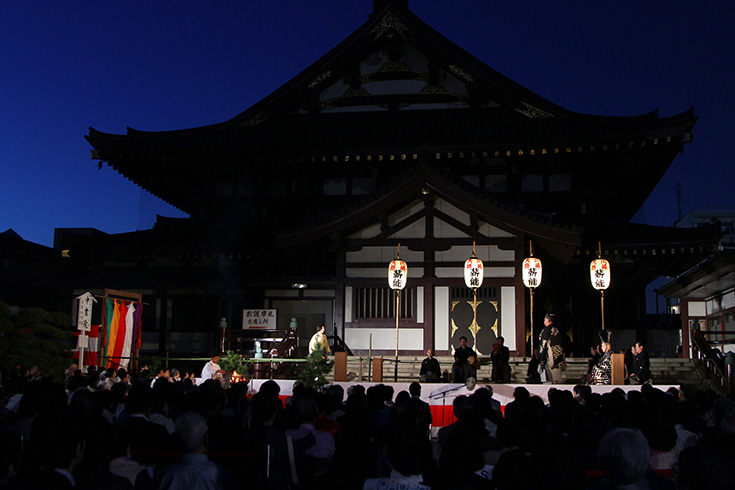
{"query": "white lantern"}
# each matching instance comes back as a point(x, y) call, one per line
point(600, 274)
point(532, 272)
point(397, 274)
point(473, 273)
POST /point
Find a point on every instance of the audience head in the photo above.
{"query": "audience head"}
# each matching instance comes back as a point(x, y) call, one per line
point(624, 455)
point(306, 410)
point(191, 432)
point(414, 388)
point(409, 454)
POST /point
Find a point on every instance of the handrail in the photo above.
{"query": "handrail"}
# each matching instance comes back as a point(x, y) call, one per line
point(339, 343)
point(712, 359)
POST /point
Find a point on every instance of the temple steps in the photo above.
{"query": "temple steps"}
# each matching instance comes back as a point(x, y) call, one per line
point(665, 371)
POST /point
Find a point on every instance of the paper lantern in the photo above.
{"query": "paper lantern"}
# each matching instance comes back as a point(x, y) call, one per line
point(397, 274)
point(600, 274)
point(473, 273)
point(532, 272)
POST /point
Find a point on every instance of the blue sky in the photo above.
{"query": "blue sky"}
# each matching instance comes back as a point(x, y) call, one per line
point(163, 65)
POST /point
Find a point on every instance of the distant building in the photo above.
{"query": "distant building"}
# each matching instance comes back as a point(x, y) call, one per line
point(726, 219)
point(704, 296)
point(23, 265)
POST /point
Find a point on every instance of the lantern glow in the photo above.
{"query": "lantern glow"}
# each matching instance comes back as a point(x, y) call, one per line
point(600, 274)
point(532, 272)
point(474, 273)
point(397, 274)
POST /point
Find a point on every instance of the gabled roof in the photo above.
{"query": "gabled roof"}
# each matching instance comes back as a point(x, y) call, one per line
point(424, 180)
point(658, 250)
point(713, 276)
point(664, 250)
point(395, 85)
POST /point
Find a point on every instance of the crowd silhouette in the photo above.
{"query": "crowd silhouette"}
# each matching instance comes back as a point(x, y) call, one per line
point(120, 430)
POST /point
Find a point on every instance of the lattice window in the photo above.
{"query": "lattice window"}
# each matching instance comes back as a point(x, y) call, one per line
point(381, 302)
point(482, 293)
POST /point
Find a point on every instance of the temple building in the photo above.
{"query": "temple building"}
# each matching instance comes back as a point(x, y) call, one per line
point(394, 138)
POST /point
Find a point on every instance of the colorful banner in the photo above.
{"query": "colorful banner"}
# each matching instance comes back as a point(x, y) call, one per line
point(123, 332)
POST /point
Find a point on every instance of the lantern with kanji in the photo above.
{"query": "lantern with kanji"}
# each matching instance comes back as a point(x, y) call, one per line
point(532, 272)
point(473, 272)
point(600, 274)
point(600, 278)
point(397, 274)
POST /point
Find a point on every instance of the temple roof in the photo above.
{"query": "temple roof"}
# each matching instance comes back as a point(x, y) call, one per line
point(711, 277)
point(427, 182)
point(394, 87)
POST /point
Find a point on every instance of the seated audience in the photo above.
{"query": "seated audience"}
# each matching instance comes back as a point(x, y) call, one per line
point(194, 470)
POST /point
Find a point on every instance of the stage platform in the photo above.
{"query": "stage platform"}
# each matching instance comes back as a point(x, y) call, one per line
point(440, 396)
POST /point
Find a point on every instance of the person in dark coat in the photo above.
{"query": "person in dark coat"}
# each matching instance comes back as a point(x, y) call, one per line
point(462, 370)
point(500, 357)
point(641, 371)
point(430, 369)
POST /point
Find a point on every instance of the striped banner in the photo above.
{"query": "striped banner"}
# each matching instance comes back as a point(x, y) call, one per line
point(123, 332)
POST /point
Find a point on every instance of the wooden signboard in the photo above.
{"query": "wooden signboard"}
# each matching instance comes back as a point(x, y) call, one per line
point(340, 366)
point(377, 369)
point(618, 369)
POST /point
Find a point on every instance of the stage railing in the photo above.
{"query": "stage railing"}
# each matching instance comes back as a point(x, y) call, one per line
point(713, 360)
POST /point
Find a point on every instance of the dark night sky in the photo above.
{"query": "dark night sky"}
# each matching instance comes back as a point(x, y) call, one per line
point(163, 65)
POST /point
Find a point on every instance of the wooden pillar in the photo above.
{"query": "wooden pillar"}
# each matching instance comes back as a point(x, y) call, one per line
point(429, 275)
point(520, 304)
point(686, 350)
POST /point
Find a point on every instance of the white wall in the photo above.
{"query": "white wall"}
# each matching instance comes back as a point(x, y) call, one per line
point(441, 318)
point(385, 338)
point(508, 316)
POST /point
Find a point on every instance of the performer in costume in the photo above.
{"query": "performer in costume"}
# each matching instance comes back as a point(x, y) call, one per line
point(212, 369)
point(319, 341)
point(602, 372)
point(551, 354)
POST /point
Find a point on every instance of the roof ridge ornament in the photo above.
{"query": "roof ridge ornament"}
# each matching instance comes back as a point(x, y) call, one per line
point(533, 112)
point(461, 73)
point(389, 22)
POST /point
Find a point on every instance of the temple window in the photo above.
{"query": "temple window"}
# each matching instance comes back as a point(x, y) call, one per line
point(472, 180)
point(223, 189)
point(496, 183)
point(300, 187)
point(362, 186)
point(560, 182)
point(532, 183)
point(334, 187)
point(277, 188)
point(245, 189)
point(381, 302)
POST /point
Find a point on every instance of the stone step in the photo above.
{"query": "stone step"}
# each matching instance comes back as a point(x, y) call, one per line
point(664, 370)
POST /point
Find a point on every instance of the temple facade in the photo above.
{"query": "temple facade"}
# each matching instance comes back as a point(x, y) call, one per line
point(395, 141)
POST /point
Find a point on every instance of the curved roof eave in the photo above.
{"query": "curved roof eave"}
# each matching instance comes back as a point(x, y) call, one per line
point(410, 186)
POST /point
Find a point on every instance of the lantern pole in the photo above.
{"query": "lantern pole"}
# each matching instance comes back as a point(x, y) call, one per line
point(398, 314)
point(530, 246)
point(602, 291)
point(474, 291)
